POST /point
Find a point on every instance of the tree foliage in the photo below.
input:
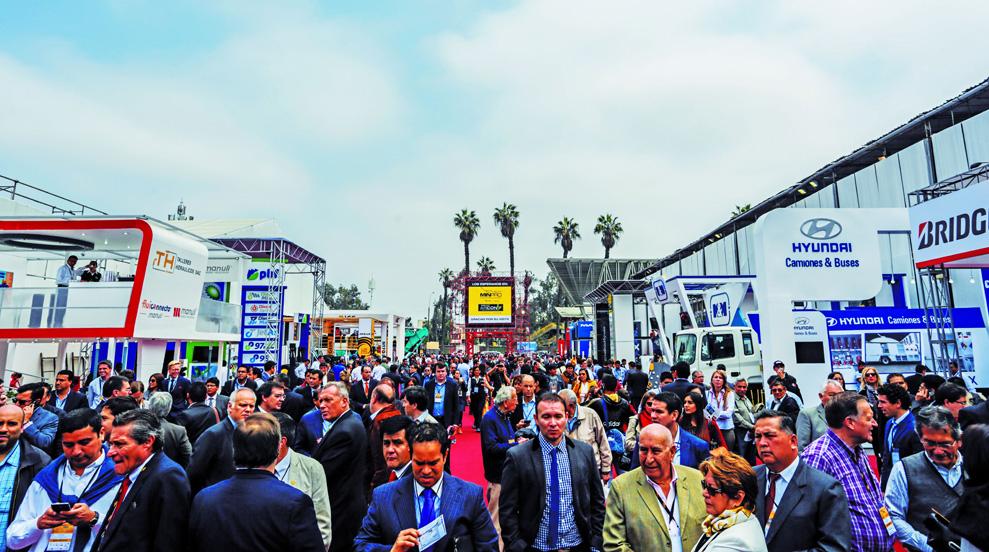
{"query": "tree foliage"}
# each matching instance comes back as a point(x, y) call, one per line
point(343, 297)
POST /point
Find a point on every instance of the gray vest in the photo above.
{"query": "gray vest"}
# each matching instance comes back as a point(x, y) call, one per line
point(927, 489)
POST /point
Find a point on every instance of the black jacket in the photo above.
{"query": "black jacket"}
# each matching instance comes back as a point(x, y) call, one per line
point(154, 515)
point(196, 419)
point(212, 457)
point(681, 387)
point(342, 452)
point(787, 406)
point(179, 392)
point(451, 402)
point(357, 394)
point(978, 414)
point(637, 383)
point(73, 401)
point(812, 514)
point(228, 387)
point(294, 405)
point(523, 495)
point(33, 460)
point(309, 396)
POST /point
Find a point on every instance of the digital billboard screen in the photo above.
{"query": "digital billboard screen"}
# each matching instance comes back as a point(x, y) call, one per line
point(489, 302)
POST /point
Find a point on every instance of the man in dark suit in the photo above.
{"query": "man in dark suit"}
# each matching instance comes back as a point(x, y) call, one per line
point(341, 449)
point(151, 509)
point(214, 399)
point(666, 410)
point(198, 417)
point(551, 497)
point(382, 408)
point(237, 514)
point(978, 414)
point(781, 402)
point(637, 383)
point(899, 437)
point(395, 447)
point(212, 457)
point(64, 397)
point(309, 390)
point(31, 460)
point(441, 392)
point(360, 390)
point(294, 404)
point(178, 385)
point(681, 385)
point(398, 510)
point(243, 379)
point(800, 507)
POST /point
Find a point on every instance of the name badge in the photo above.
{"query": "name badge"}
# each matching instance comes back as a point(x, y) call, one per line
point(887, 521)
point(61, 538)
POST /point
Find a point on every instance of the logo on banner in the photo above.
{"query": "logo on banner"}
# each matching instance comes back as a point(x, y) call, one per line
point(720, 308)
point(951, 229)
point(659, 286)
point(164, 261)
point(820, 229)
point(257, 274)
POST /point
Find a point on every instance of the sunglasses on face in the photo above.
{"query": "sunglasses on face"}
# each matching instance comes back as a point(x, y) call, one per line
point(711, 490)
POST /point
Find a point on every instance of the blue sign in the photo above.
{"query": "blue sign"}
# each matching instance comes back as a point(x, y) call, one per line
point(659, 286)
point(888, 318)
point(720, 309)
point(260, 304)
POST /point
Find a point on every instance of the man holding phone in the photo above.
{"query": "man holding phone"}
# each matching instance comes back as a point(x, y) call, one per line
point(69, 499)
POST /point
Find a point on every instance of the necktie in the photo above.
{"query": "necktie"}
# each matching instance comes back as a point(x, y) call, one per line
point(554, 502)
point(121, 493)
point(171, 384)
point(889, 438)
point(210, 402)
point(428, 514)
point(393, 476)
point(771, 493)
point(366, 390)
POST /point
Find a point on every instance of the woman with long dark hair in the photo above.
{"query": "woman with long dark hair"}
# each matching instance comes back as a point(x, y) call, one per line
point(695, 421)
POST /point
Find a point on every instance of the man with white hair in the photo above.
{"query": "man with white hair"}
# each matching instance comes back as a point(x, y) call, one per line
point(174, 438)
point(810, 422)
point(497, 436)
point(584, 424)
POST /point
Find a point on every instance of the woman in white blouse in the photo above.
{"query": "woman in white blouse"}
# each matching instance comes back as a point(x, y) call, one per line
point(721, 406)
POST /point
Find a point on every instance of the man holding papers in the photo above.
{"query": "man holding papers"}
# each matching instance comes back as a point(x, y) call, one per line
point(431, 510)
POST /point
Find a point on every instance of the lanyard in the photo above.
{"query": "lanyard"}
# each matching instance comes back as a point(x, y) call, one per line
point(669, 511)
point(65, 470)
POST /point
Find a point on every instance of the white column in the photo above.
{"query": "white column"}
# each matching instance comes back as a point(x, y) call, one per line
point(150, 357)
point(622, 314)
point(400, 339)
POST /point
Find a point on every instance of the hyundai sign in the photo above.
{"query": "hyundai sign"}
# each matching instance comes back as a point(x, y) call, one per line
point(952, 229)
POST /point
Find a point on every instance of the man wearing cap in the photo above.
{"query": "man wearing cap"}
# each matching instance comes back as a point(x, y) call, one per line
point(789, 381)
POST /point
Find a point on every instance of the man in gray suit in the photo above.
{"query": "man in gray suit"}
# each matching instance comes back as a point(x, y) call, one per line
point(810, 422)
point(799, 507)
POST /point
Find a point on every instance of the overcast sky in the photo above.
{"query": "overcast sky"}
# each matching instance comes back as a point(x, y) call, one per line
point(362, 127)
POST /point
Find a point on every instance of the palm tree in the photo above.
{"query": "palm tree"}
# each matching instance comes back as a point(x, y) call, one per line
point(566, 232)
point(485, 265)
point(446, 277)
point(507, 218)
point(468, 224)
point(610, 230)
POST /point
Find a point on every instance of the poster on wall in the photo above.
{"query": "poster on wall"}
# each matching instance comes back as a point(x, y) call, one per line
point(6, 279)
point(489, 302)
point(262, 310)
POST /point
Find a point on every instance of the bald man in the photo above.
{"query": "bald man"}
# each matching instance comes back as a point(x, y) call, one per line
point(21, 459)
point(525, 412)
point(656, 490)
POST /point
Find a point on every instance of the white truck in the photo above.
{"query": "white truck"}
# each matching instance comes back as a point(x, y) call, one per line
point(736, 347)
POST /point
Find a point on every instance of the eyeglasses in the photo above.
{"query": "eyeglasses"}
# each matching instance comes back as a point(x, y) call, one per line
point(962, 402)
point(711, 490)
point(931, 445)
point(872, 375)
point(23, 402)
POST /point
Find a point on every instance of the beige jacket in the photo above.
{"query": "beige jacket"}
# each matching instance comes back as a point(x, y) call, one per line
point(307, 475)
point(590, 430)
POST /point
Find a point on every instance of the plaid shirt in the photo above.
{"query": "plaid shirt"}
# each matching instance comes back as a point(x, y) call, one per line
point(8, 477)
point(850, 467)
point(568, 536)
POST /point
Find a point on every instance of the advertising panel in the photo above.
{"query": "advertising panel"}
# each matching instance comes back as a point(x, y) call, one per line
point(261, 306)
point(489, 302)
point(952, 229)
point(6, 279)
point(224, 270)
point(173, 286)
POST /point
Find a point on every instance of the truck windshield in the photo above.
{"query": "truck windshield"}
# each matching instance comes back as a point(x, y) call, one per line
point(686, 348)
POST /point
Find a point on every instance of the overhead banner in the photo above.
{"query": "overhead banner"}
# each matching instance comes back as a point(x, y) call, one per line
point(489, 302)
point(953, 229)
point(173, 286)
point(261, 326)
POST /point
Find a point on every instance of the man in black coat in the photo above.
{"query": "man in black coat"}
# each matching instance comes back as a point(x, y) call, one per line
point(525, 480)
point(212, 457)
point(198, 417)
point(253, 510)
point(812, 512)
point(243, 379)
point(177, 385)
point(681, 385)
point(637, 383)
point(63, 396)
point(309, 390)
point(443, 388)
point(978, 414)
point(32, 459)
point(360, 390)
point(342, 450)
point(294, 404)
point(782, 402)
point(152, 512)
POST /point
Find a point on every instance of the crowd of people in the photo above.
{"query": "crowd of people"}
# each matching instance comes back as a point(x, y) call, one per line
point(340, 454)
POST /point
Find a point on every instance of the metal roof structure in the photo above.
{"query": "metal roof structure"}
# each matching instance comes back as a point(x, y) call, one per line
point(578, 277)
point(261, 248)
point(969, 103)
point(976, 175)
point(600, 294)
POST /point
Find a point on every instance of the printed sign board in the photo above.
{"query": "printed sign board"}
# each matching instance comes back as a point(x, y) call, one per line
point(489, 302)
point(261, 305)
point(173, 287)
point(953, 229)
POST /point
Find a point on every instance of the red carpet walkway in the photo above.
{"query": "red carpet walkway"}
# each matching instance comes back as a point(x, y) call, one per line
point(466, 460)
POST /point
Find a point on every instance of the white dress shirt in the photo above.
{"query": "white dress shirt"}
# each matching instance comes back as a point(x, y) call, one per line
point(669, 503)
point(785, 477)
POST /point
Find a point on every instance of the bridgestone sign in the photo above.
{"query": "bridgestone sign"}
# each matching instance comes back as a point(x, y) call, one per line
point(952, 229)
